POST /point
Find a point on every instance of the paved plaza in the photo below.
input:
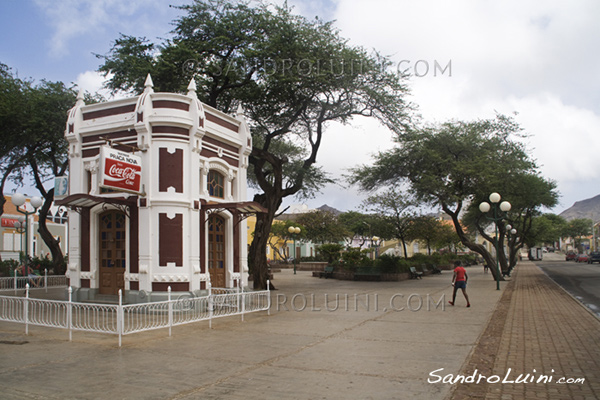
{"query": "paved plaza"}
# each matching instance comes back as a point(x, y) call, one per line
point(330, 339)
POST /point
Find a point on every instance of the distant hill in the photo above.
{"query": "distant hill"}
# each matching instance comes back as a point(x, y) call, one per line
point(589, 208)
point(325, 207)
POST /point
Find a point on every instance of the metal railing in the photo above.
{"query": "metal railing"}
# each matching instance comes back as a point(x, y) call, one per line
point(45, 281)
point(120, 319)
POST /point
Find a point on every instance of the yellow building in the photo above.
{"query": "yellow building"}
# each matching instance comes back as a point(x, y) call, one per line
point(277, 246)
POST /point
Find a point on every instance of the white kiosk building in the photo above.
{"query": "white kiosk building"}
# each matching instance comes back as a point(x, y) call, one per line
point(158, 186)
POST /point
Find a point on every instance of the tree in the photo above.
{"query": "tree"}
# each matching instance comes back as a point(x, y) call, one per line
point(395, 210)
point(294, 76)
point(577, 229)
point(33, 141)
point(322, 227)
point(358, 226)
point(456, 165)
point(546, 229)
point(279, 237)
point(427, 229)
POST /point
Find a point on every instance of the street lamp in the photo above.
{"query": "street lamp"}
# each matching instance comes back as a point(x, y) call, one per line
point(36, 202)
point(484, 207)
point(294, 231)
point(375, 239)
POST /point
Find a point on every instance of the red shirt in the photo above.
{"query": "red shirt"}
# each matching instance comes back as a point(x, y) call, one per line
point(460, 273)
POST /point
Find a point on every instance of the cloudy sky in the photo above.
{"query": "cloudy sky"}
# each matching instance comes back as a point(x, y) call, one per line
point(537, 59)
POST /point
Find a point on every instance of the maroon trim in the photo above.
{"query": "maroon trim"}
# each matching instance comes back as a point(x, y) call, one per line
point(170, 240)
point(170, 170)
point(85, 240)
point(218, 143)
point(175, 286)
point(143, 202)
point(202, 245)
point(228, 159)
point(90, 152)
point(140, 117)
point(111, 135)
point(109, 111)
point(71, 128)
point(85, 283)
point(134, 285)
point(175, 130)
point(220, 121)
point(171, 104)
point(236, 241)
point(134, 240)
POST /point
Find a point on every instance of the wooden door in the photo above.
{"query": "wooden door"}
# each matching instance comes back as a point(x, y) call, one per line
point(112, 252)
point(216, 250)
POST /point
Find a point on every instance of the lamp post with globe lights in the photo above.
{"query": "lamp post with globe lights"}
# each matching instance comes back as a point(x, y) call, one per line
point(505, 206)
point(19, 200)
point(294, 231)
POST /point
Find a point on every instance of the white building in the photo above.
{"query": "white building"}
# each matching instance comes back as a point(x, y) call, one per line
point(163, 205)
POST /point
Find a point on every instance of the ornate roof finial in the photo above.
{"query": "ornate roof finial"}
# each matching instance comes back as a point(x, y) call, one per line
point(240, 110)
point(149, 84)
point(80, 98)
point(192, 88)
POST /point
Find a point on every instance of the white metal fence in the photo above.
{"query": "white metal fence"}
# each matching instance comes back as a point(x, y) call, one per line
point(45, 281)
point(123, 319)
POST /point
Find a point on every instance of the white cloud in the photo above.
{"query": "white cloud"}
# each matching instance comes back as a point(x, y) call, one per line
point(76, 19)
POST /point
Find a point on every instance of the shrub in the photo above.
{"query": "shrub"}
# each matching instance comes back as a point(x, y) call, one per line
point(354, 258)
point(330, 251)
point(7, 267)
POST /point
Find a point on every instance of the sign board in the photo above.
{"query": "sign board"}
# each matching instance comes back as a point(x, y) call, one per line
point(61, 187)
point(9, 222)
point(120, 171)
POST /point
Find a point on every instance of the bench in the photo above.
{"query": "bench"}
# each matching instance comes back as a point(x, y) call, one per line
point(414, 274)
point(327, 273)
point(367, 274)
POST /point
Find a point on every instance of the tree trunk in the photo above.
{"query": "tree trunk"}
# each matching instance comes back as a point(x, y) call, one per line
point(58, 261)
point(257, 254)
point(477, 248)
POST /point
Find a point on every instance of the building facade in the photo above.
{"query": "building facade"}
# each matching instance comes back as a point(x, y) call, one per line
point(158, 186)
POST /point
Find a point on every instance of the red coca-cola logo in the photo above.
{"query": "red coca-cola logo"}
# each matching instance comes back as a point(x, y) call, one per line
point(121, 175)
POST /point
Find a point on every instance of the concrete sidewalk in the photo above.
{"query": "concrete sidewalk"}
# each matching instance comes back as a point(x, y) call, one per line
point(324, 339)
point(538, 330)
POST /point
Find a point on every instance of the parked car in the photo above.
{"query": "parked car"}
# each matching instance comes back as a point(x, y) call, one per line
point(594, 257)
point(571, 255)
point(582, 258)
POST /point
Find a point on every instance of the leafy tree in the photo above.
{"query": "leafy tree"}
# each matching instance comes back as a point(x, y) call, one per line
point(294, 76)
point(322, 227)
point(394, 207)
point(455, 165)
point(279, 237)
point(357, 224)
point(34, 118)
point(546, 229)
point(427, 229)
point(577, 229)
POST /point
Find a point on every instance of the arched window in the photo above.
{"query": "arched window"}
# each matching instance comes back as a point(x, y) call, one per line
point(216, 187)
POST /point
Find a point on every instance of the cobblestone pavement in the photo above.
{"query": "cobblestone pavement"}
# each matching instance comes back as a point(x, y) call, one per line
point(538, 333)
point(325, 339)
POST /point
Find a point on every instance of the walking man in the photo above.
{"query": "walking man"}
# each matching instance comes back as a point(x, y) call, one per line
point(459, 281)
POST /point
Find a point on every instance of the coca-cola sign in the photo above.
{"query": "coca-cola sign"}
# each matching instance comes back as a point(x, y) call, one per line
point(120, 171)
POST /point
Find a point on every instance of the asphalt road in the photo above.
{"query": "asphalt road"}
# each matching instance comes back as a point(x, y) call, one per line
point(581, 280)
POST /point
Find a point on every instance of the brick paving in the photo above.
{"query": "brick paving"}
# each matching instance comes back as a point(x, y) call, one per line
point(540, 330)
